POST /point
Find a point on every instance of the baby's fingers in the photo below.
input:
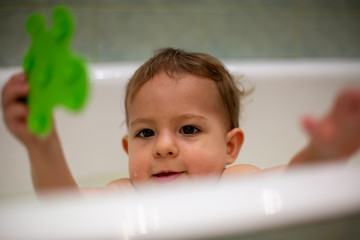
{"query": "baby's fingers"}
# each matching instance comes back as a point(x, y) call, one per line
point(15, 89)
point(322, 132)
point(16, 120)
point(348, 103)
point(309, 124)
point(16, 113)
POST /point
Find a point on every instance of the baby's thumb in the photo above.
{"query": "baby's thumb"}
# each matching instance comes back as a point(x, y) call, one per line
point(308, 123)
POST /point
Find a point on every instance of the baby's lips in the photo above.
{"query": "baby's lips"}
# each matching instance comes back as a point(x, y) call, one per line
point(164, 174)
point(167, 176)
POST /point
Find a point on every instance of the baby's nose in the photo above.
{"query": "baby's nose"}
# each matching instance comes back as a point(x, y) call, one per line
point(165, 146)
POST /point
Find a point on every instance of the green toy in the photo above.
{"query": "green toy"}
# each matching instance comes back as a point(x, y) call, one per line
point(55, 76)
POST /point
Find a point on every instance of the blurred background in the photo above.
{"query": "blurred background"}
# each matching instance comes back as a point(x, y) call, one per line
point(130, 30)
point(298, 53)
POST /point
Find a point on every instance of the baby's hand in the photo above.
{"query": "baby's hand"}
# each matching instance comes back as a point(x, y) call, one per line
point(337, 135)
point(15, 110)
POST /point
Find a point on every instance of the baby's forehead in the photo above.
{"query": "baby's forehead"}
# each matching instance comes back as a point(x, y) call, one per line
point(181, 90)
point(181, 81)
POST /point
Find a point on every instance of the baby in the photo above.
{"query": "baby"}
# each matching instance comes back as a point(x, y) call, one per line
point(182, 114)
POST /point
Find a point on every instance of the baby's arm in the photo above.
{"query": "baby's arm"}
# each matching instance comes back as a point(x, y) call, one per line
point(48, 165)
point(333, 137)
point(337, 135)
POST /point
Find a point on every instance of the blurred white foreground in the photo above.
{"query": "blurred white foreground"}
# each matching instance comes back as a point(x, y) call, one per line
point(316, 203)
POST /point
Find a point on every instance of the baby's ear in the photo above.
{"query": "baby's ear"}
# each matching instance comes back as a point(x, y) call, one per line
point(234, 141)
point(125, 144)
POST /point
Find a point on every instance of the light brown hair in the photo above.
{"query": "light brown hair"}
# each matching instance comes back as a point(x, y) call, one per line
point(175, 61)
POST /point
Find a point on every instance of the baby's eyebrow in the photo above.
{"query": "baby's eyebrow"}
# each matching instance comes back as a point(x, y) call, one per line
point(191, 116)
point(140, 120)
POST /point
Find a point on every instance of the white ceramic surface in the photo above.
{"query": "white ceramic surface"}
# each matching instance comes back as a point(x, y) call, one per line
point(201, 210)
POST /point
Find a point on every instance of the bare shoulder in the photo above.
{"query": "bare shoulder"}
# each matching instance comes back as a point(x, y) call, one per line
point(122, 183)
point(240, 170)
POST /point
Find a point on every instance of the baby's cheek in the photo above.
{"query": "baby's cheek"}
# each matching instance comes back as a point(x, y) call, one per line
point(137, 167)
point(205, 163)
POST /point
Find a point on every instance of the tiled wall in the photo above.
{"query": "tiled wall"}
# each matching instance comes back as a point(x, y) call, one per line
point(130, 30)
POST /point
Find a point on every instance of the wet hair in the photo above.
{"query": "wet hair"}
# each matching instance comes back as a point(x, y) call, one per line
point(178, 61)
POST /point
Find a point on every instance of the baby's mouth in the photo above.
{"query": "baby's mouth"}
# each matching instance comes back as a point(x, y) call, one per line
point(164, 177)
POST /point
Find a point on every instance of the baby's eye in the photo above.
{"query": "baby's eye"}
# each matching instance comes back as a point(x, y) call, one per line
point(187, 130)
point(145, 133)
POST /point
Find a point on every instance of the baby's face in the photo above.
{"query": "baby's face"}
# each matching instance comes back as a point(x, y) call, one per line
point(176, 130)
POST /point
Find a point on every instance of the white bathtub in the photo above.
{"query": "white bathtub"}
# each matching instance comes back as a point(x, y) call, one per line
point(312, 204)
point(308, 203)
